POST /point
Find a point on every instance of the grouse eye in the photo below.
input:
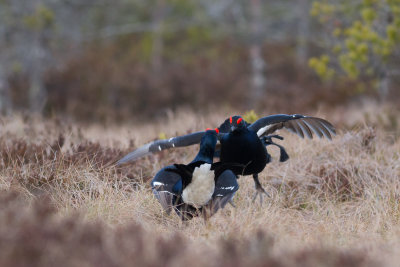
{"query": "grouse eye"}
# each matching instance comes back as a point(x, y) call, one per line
point(239, 121)
point(230, 120)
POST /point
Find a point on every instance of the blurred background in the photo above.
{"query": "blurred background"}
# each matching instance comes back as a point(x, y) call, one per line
point(97, 60)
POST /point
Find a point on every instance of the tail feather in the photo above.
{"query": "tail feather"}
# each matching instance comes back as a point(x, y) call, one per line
point(267, 140)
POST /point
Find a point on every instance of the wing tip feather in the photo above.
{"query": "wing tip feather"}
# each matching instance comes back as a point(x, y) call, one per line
point(134, 155)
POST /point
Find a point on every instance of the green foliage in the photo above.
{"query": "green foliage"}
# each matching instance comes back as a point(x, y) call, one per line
point(16, 67)
point(251, 116)
point(146, 46)
point(363, 37)
point(184, 43)
point(42, 18)
point(183, 7)
point(162, 136)
point(320, 65)
point(323, 10)
point(368, 14)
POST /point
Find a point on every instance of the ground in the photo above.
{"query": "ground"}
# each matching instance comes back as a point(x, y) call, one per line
point(334, 203)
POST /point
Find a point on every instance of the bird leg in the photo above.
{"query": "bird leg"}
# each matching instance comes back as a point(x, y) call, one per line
point(231, 202)
point(206, 214)
point(259, 189)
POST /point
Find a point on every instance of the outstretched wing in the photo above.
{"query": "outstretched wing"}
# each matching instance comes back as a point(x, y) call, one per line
point(225, 188)
point(226, 184)
point(298, 124)
point(166, 186)
point(158, 145)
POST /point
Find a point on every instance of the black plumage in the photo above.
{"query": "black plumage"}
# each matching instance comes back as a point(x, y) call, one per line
point(169, 183)
point(244, 143)
point(243, 146)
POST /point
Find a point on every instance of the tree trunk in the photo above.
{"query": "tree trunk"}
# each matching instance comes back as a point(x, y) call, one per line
point(258, 79)
point(5, 98)
point(37, 65)
point(303, 31)
point(384, 85)
point(158, 42)
point(37, 92)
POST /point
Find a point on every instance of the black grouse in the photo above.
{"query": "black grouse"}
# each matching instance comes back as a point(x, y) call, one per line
point(243, 146)
point(200, 187)
point(244, 143)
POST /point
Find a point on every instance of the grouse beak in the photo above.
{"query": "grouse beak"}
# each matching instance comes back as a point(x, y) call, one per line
point(233, 128)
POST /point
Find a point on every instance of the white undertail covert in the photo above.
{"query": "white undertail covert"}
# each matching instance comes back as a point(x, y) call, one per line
point(201, 189)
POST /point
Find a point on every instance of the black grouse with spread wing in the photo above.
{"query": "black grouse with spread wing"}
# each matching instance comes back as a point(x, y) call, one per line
point(244, 143)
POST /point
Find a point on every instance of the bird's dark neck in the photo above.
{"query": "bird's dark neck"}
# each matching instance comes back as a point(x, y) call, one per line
point(241, 130)
point(205, 154)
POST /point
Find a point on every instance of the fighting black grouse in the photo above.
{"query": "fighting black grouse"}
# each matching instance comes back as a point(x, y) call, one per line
point(200, 187)
point(244, 143)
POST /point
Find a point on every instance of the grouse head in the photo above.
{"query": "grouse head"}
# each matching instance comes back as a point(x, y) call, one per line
point(233, 123)
point(209, 139)
point(237, 124)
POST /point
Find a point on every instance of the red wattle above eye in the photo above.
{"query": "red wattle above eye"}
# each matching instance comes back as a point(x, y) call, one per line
point(230, 120)
point(208, 129)
point(217, 130)
point(239, 120)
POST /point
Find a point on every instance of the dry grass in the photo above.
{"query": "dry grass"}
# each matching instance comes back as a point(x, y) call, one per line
point(333, 203)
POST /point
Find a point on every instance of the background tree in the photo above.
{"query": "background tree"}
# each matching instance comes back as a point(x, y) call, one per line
point(361, 41)
point(97, 59)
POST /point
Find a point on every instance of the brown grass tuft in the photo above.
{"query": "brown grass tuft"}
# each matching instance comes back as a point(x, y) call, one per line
point(61, 203)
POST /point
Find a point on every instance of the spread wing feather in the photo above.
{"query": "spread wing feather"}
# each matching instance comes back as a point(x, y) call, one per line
point(313, 127)
point(159, 145)
point(296, 127)
point(307, 131)
point(298, 124)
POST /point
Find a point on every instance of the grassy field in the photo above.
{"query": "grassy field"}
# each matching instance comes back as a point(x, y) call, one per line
point(332, 204)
